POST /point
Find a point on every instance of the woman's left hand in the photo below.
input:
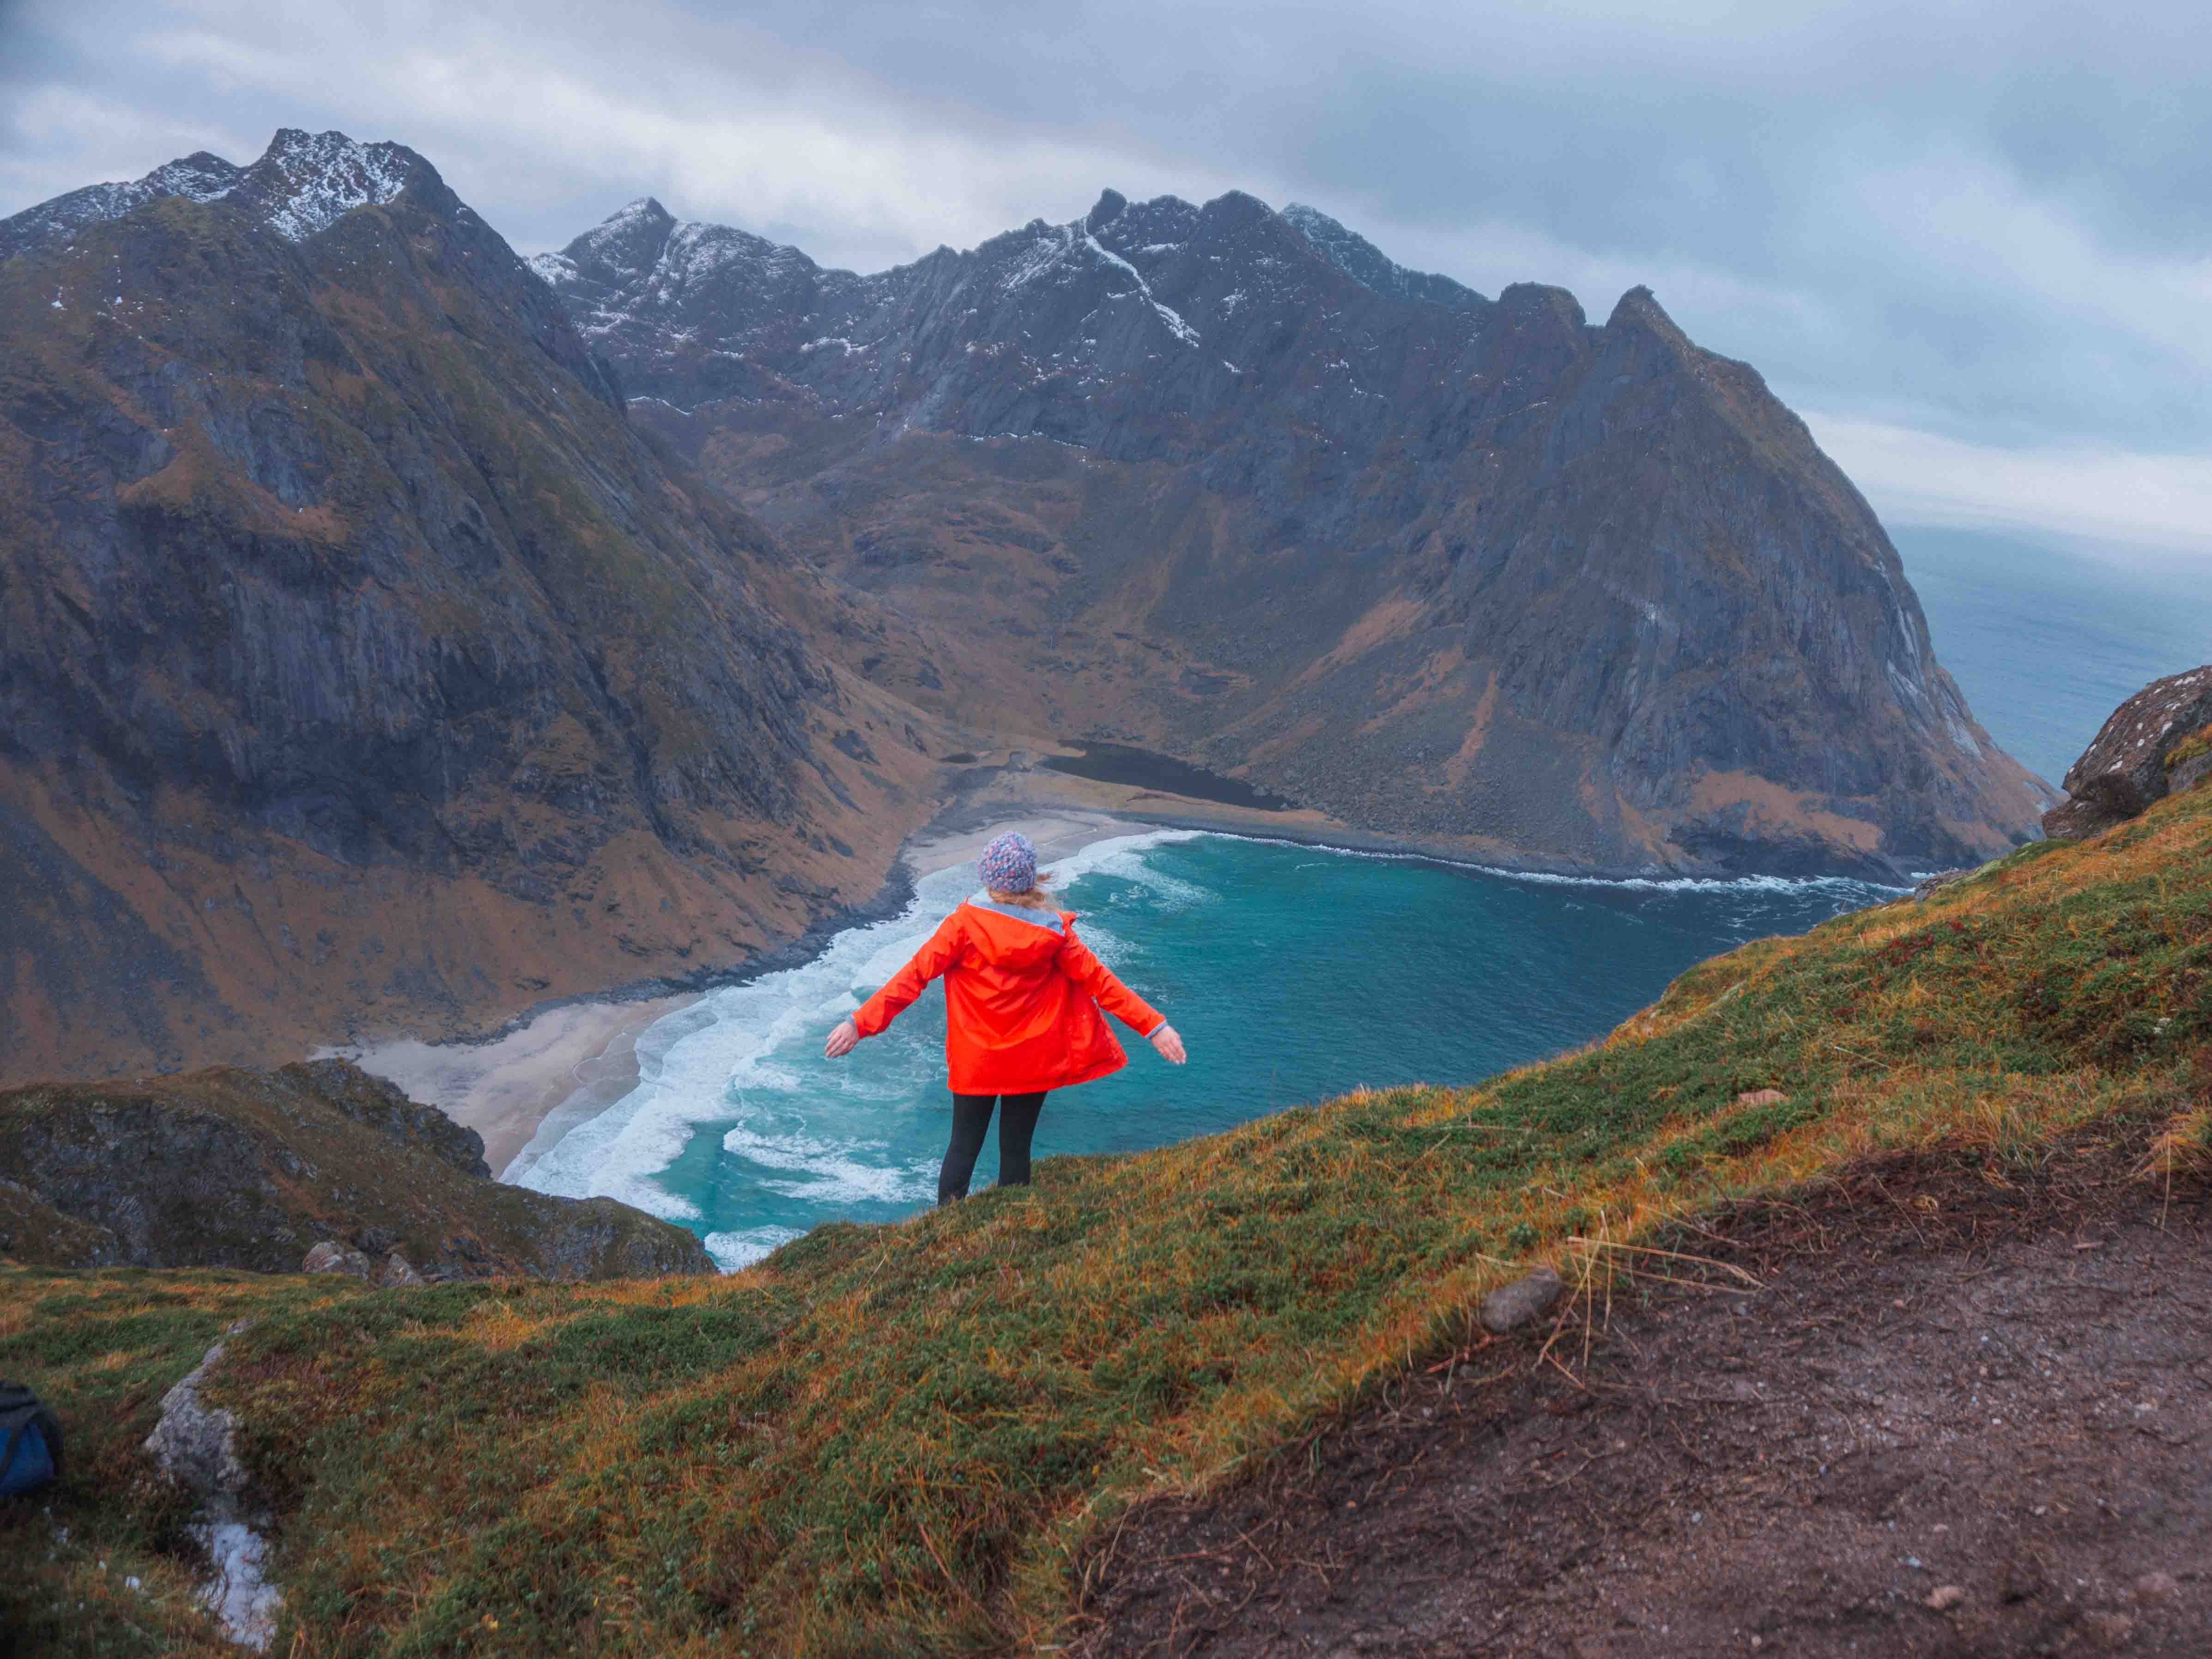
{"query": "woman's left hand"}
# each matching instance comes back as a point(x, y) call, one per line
point(843, 1040)
point(1169, 1045)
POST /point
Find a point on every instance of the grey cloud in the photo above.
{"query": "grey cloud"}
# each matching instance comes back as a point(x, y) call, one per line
point(1988, 219)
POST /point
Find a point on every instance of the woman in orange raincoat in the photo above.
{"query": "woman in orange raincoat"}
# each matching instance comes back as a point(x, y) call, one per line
point(1022, 995)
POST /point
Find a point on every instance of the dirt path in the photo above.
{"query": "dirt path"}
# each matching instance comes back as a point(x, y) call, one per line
point(1956, 1418)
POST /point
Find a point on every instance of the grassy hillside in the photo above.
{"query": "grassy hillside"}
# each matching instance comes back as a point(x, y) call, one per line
point(894, 1439)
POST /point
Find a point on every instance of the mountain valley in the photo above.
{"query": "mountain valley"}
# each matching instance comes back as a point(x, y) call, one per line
point(398, 633)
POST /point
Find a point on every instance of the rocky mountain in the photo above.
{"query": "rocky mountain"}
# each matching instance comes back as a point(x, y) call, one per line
point(360, 661)
point(231, 1168)
point(1229, 483)
point(1368, 265)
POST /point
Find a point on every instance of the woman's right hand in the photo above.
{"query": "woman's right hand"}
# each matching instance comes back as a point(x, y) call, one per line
point(843, 1040)
point(1169, 1045)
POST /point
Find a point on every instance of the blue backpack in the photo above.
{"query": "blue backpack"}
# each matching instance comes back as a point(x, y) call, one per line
point(30, 1441)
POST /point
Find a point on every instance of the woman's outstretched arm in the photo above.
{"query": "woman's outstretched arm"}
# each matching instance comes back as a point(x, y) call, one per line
point(939, 952)
point(1077, 962)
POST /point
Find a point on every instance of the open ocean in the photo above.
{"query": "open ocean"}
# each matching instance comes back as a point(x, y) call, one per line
point(1295, 973)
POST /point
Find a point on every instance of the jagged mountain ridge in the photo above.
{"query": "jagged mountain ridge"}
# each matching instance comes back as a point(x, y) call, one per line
point(1367, 264)
point(1472, 571)
point(362, 663)
point(304, 183)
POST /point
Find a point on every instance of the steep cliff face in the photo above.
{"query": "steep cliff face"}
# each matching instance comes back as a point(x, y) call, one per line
point(1232, 482)
point(359, 659)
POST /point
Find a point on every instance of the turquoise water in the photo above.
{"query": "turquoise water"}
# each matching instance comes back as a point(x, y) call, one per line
point(1293, 974)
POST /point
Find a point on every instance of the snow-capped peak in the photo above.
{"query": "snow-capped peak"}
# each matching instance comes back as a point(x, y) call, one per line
point(307, 181)
point(302, 184)
point(201, 177)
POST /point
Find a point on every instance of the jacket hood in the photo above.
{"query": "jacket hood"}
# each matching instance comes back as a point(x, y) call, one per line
point(1009, 935)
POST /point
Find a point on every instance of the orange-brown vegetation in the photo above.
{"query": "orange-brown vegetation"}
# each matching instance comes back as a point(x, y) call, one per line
point(902, 1438)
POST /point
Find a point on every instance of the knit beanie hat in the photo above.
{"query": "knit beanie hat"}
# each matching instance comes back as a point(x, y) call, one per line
point(1009, 863)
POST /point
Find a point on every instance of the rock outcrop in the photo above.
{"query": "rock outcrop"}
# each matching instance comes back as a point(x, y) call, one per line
point(195, 1444)
point(360, 663)
point(1232, 484)
point(2158, 741)
point(312, 1168)
point(31, 1230)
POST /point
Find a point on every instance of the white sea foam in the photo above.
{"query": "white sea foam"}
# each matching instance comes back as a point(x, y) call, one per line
point(1840, 884)
point(829, 1171)
point(747, 1245)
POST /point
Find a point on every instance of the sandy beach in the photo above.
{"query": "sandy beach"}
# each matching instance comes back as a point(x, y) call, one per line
point(582, 1056)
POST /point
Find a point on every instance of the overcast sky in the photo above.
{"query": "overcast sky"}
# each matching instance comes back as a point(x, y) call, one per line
point(1971, 243)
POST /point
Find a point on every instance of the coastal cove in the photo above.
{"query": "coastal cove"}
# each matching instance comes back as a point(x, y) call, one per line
point(1294, 972)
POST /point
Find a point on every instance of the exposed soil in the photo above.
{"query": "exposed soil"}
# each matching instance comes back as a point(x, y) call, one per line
point(1956, 1417)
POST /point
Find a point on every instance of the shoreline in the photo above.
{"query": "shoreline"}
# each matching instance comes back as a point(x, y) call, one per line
point(507, 1087)
point(574, 1057)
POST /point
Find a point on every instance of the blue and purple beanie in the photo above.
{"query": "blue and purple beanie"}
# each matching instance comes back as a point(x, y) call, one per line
point(1009, 863)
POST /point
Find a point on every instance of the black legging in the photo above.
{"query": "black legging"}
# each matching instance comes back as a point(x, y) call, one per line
point(971, 1116)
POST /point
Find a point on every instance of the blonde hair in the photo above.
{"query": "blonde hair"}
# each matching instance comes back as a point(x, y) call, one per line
point(1038, 897)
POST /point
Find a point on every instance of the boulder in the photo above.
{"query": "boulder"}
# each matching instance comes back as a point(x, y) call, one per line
point(397, 1273)
point(329, 1258)
point(2125, 769)
point(196, 1444)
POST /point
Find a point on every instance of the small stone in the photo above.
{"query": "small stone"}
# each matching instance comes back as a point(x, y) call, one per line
point(1761, 1097)
point(329, 1258)
point(397, 1273)
point(2157, 1587)
point(1944, 1597)
point(1526, 1298)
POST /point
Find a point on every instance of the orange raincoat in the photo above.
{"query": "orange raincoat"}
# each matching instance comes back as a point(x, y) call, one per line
point(1022, 995)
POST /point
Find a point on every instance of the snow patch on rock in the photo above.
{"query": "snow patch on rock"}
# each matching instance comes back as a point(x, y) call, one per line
point(1176, 327)
point(555, 269)
point(319, 178)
